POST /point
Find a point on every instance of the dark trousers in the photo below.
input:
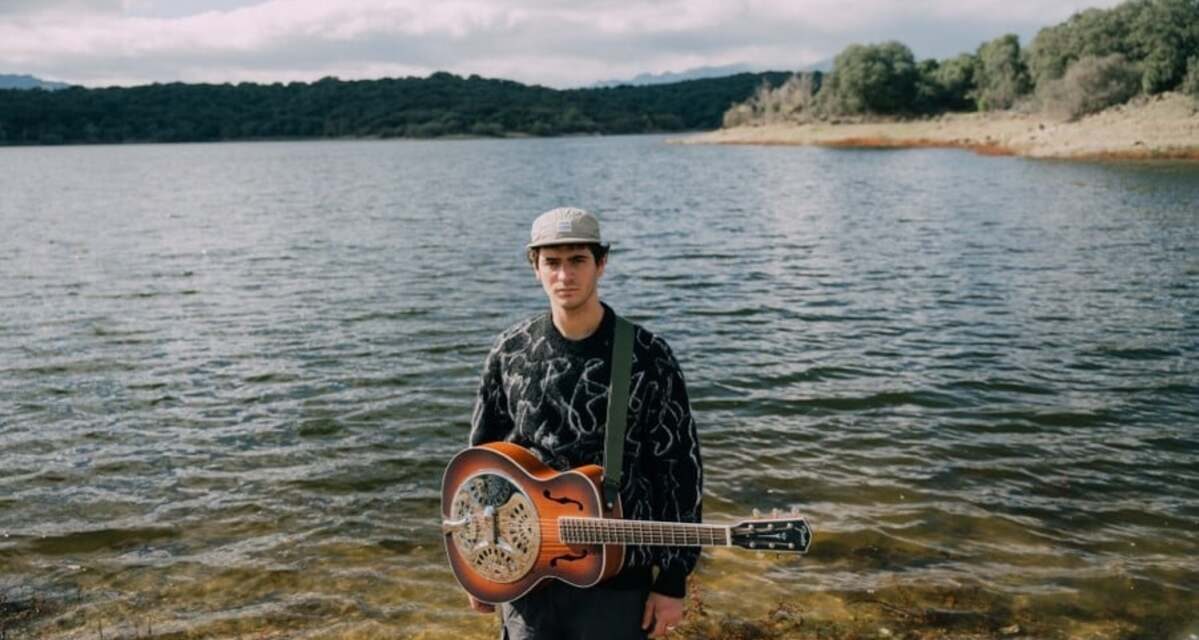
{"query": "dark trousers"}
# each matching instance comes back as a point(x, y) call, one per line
point(558, 611)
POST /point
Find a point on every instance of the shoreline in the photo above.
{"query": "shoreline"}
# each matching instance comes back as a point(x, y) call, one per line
point(916, 611)
point(1162, 127)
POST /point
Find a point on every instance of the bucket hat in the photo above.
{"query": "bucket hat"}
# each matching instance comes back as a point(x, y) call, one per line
point(565, 225)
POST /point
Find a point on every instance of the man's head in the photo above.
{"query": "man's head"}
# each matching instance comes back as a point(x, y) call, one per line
point(568, 256)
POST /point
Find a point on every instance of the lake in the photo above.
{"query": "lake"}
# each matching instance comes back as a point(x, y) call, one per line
point(232, 374)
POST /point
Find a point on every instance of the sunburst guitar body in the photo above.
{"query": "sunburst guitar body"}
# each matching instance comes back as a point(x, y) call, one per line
point(510, 522)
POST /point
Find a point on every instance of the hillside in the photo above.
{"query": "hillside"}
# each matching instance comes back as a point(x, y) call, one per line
point(442, 104)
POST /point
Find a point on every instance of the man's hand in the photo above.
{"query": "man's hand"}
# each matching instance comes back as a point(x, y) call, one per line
point(662, 613)
point(481, 607)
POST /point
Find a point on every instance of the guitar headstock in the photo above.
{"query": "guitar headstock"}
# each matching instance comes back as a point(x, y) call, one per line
point(778, 532)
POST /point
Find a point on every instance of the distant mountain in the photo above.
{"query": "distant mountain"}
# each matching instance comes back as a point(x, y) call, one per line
point(29, 82)
point(644, 79)
point(824, 66)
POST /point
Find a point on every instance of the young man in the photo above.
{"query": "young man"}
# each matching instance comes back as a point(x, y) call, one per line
point(545, 387)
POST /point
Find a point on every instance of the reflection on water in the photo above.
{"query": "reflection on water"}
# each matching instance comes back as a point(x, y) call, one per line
point(231, 375)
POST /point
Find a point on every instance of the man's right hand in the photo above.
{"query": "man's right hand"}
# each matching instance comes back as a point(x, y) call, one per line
point(481, 607)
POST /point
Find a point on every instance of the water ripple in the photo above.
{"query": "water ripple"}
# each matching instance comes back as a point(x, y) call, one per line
point(230, 375)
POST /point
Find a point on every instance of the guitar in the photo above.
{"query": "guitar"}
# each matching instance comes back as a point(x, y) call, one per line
point(510, 522)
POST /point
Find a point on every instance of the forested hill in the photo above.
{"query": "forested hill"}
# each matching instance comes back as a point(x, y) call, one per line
point(441, 105)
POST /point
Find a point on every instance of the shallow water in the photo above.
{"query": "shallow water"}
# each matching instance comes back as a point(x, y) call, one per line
point(231, 374)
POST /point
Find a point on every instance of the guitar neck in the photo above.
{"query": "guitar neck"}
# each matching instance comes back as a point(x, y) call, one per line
point(642, 532)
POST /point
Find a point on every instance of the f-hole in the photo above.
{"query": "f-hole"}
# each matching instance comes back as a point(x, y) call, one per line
point(568, 558)
point(549, 496)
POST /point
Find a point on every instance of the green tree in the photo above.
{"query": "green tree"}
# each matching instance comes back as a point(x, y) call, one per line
point(1157, 36)
point(948, 85)
point(880, 78)
point(928, 91)
point(1162, 35)
point(1001, 76)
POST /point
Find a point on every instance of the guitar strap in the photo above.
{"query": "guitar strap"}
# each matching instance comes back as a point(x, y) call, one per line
point(618, 409)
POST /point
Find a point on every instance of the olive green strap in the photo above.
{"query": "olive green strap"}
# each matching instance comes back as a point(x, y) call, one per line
point(618, 409)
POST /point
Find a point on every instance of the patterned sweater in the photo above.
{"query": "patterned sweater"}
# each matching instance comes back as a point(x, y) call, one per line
point(550, 395)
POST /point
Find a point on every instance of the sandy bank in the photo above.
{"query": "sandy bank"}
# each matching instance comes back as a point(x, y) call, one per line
point(1162, 127)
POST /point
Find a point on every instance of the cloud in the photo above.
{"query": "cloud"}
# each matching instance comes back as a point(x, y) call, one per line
point(554, 42)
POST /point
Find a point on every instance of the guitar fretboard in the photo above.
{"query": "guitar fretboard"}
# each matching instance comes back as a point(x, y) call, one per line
point(640, 532)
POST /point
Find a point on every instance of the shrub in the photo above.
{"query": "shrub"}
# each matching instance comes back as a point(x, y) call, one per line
point(792, 101)
point(738, 115)
point(798, 94)
point(1092, 84)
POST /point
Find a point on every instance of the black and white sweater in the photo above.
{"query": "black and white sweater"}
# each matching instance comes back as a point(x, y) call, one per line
point(550, 395)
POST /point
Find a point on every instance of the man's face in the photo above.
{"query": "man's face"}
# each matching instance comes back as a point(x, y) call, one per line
point(569, 275)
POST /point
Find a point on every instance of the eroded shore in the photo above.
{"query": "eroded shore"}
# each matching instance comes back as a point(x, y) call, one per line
point(1165, 126)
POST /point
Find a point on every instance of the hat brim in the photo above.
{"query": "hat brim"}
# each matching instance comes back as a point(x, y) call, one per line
point(561, 241)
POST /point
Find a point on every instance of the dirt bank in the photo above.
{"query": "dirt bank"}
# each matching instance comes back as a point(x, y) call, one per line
point(1159, 127)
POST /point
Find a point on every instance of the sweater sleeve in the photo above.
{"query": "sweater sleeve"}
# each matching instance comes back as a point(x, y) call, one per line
point(676, 472)
point(491, 420)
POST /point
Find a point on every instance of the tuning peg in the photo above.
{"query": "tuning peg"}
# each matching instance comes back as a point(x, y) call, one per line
point(775, 512)
point(757, 513)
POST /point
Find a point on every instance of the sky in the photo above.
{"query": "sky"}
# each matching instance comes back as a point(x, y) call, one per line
point(556, 43)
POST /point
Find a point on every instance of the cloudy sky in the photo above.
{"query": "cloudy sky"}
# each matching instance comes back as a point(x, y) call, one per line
point(559, 43)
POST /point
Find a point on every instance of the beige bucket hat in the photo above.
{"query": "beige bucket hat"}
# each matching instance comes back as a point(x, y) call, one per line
point(565, 225)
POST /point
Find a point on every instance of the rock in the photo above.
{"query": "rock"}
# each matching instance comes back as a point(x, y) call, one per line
point(1010, 631)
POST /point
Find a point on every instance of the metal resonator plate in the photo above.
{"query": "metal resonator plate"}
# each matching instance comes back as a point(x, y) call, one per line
point(494, 526)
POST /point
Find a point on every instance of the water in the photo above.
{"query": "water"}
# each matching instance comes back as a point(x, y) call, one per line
point(230, 376)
